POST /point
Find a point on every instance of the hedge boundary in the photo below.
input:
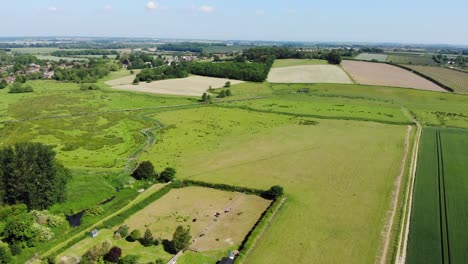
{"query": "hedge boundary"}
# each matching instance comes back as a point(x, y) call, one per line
point(445, 87)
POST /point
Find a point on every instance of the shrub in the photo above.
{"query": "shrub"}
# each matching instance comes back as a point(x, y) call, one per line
point(43, 233)
point(129, 259)
point(20, 88)
point(3, 84)
point(222, 94)
point(273, 193)
point(114, 255)
point(159, 261)
point(147, 239)
point(123, 230)
point(5, 253)
point(228, 92)
point(227, 84)
point(167, 175)
point(15, 249)
point(135, 235)
point(89, 87)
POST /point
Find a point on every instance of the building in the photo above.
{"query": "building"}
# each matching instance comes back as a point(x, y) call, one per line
point(94, 233)
point(49, 75)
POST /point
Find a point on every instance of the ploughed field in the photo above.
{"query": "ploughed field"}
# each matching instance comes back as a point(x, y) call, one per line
point(372, 56)
point(308, 74)
point(440, 218)
point(456, 80)
point(387, 75)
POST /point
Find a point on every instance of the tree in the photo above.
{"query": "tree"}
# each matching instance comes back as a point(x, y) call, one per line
point(31, 175)
point(167, 175)
point(129, 259)
point(123, 230)
point(334, 57)
point(273, 193)
point(147, 239)
point(159, 261)
point(181, 239)
point(222, 94)
point(5, 254)
point(227, 84)
point(204, 97)
point(3, 84)
point(114, 255)
point(135, 235)
point(145, 170)
point(228, 92)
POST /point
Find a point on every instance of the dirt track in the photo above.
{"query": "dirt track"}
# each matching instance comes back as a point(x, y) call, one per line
point(387, 75)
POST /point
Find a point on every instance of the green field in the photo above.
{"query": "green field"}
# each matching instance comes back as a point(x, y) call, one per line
point(257, 150)
point(296, 62)
point(440, 197)
point(411, 59)
point(372, 56)
point(55, 58)
point(456, 80)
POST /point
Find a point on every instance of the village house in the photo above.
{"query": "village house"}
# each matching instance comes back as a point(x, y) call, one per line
point(49, 74)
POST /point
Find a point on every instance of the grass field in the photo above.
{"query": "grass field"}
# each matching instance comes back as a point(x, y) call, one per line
point(411, 59)
point(386, 75)
point(261, 149)
point(190, 86)
point(180, 207)
point(454, 79)
point(372, 56)
point(55, 58)
point(439, 212)
point(297, 62)
point(308, 74)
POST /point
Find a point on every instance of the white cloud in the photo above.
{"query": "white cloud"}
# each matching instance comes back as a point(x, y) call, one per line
point(206, 9)
point(260, 12)
point(52, 9)
point(151, 5)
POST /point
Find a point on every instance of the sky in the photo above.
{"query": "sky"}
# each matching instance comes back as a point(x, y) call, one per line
point(402, 21)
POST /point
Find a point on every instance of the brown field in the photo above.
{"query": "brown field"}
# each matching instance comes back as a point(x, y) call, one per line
point(456, 80)
point(387, 75)
point(181, 206)
point(190, 86)
point(308, 74)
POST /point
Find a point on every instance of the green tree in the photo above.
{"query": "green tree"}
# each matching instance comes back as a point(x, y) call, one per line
point(228, 92)
point(3, 84)
point(135, 235)
point(227, 84)
point(159, 261)
point(334, 57)
point(181, 239)
point(31, 175)
point(5, 253)
point(123, 230)
point(145, 170)
point(204, 97)
point(18, 230)
point(167, 175)
point(273, 193)
point(129, 259)
point(147, 239)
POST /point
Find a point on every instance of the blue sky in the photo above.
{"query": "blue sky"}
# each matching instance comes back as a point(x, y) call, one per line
point(405, 21)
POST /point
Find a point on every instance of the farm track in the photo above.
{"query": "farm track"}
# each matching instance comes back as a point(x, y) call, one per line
point(395, 199)
point(407, 207)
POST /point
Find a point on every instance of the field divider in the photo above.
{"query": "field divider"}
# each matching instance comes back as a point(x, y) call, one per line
point(442, 202)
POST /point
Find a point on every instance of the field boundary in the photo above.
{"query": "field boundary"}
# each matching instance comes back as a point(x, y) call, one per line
point(445, 87)
point(395, 199)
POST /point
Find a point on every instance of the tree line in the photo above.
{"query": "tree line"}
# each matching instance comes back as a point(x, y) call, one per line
point(161, 73)
point(70, 53)
point(90, 73)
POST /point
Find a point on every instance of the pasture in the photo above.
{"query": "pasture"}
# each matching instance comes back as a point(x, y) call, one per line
point(387, 75)
point(190, 86)
point(327, 209)
point(55, 58)
point(279, 63)
point(456, 80)
point(308, 74)
point(440, 196)
point(411, 59)
point(372, 56)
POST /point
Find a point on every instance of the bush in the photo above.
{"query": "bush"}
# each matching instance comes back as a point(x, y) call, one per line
point(167, 175)
point(123, 230)
point(129, 259)
point(114, 255)
point(228, 92)
point(20, 88)
point(3, 84)
point(273, 193)
point(147, 239)
point(334, 57)
point(222, 94)
point(15, 249)
point(145, 170)
point(135, 235)
point(5, 253)
point(89, 87)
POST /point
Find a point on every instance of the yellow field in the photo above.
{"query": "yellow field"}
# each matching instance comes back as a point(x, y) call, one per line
point(308, 74)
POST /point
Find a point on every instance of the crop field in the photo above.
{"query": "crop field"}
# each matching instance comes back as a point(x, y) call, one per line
point(279, 63)
point(55, 58)
point(372, 56)
point(34, 50)
point(411, 59)
point(456, 80)
point(190, 86)
point(439, 207)
point(308, 74)
point(387, 75)
point(262, 149)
